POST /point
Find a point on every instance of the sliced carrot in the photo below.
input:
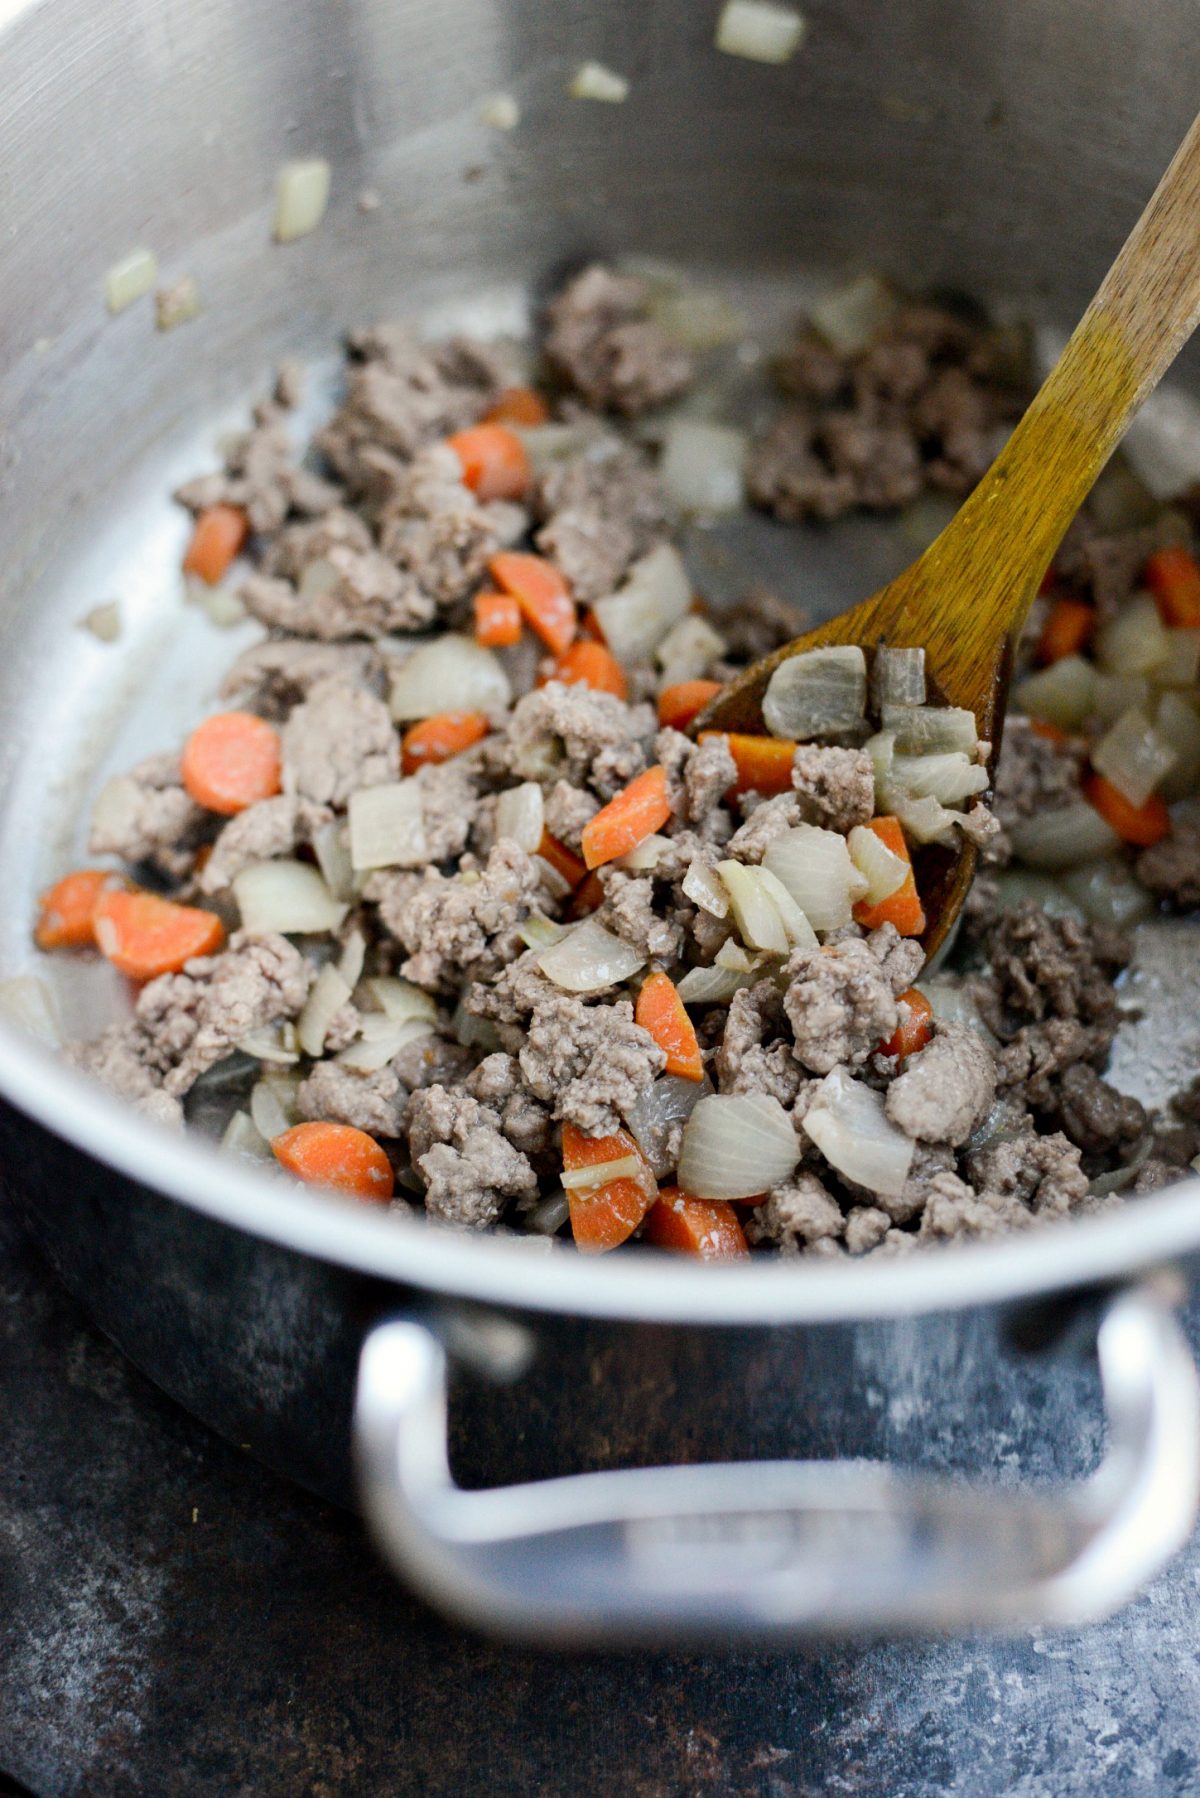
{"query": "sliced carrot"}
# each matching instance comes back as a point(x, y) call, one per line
point(336, 1155)
point(68, 909)
point(439, 738)
point(902, 908)
point(1053, 733)
point(562, 859)
point(587, 664)
point(678, 705)
point(493, 460)
point(635, 814)
point(1141, 824)
point(518, 406)
point(587, 898)
point(144, 936)
point(661, 1011)
point(590, 627)
point(542, 594)
point(708, 1228)
point(497, 620)
point(607, 1215)
point(1173, 576)
point(1069, 626)
point(763, 763)
point(232, 761)
point(915, 1028)
point(218, 536)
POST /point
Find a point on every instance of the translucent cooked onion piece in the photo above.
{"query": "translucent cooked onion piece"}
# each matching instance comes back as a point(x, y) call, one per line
point(329, 993)
point(645, 856)
point(655, 1112)
point(759, 30)
point(736, 1145)
point(846, 1121)
point(1064, 838)
point(953, 1004)
point(897, 678)
point(819, 693)
point(1108, 892)
point(243, 1137)
point(713, 986)
point(387, 827)
point(301, 196)
point(703, 888)
point(688, 649)
point(881, 868)
point(352, 958)
point(796, 927)
point(696, 320)
point(273, 1106)
point(592, 81)
point(1062, 694)
point(400, 1000)
point(26, 1004)
point(386, 1040)
point(1178, 724)
point(537, 932)
point(591, 1179)
point(332, 850)
point(756, 916)
point(451, 674)
point(1015, 884)
point(925, 820)
point(288, 896)
point(931, 729)
point(656, 594)
point(1113, 694)
point(703, 466)
point(521, 815)
point(815, 867)
point(850, 318)
point(274, 1043)
point(1133, 757)
point(127, 280)
point(1136, 641)
point(589, 959)
point(1183, 662)
point(950, 777)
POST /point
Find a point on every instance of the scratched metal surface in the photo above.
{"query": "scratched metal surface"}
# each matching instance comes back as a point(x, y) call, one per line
point(174, 1620)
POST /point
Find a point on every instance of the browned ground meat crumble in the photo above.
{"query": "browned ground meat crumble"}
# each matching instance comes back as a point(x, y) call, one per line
point(376, 535)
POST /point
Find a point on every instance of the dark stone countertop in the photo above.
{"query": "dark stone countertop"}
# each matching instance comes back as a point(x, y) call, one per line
point(175, 1620)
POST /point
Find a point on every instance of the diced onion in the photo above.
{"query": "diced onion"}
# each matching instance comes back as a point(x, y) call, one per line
point(953, 1004)
point(328, 995)
point(26, 1004)
point(451, 674)
point(949, 777)
point(815, 867)
point(589, 958)
point(852, 317)
point(1113, 694)
point(1015, 884)
point(127, 280)
point(736, 1145)
point(550, 443)
point(400, 1000)
point(592, 81)
point(756, 917)
point(702, 887)
point(712, 986)
point(1135, 641)
point(656, 594)
point(924, 820)
point(500, 112)
point(897, 677)
point(796, 927)
point(688, 649)
point(387, 827)
point(1183, 660)
point(645, 857)
point(1061, 694)
point(819, 693)
point(657, 1109)
point(1133, 757)
point(350, 962)
point(287, 896)
point(548, 1217)
point(537, 932)
point(272, 1045)
point(1064, 838)
point(1178, 724)
point(273, 1107)
point(521, 815)
point(333, 858)
point(696, 321)
point(104, 621)
point(930, 729)
point(243, 1137)
point(733, 955)
point(847, 1122)
point(386, 1040)
point(703, 466)
point(473, 1032)
point(223, 608)
point(591, 1179)
point(301, 196)
point(883, 870)
point(882, 750)
point(1109, 893)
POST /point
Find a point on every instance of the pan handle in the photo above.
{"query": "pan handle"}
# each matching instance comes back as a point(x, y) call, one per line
point(779, 1550)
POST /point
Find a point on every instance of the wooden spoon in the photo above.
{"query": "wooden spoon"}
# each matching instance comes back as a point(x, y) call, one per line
point(966, 598)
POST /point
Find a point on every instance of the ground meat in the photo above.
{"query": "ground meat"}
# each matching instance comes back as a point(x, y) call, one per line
point(1093, 1114)
point(577, 733)
point(439, 535)
point(744, 1062)
point(259, 477)
point(955, 1209)
point(197, 1017)
point(146, 816)
point(1042, 966)
point(834, 788)
point(840, 1005)
point(281, 674)
point(470, 1168)
point(299, 545)
point(602, 343)
point(124, 1061)
point(600, 513)
point(449, 805)
point(788, 477)
point(629, 913)
point(374, 1102)
point(767, 820)
point(1030, 1065)
point(866, 1227)
point(1042, 1172)
point(1034, 776)
point(930, 1162)
point(1171, 869)
point(698, 777)
point(338, 741)
point(1105, 567)
point(272, 827)
point(946, 1089)
point(899, 957)
point(588, 1062)
point(795, 1215)
point(567, 810)
point(464, 927)
point(760, 622)
point(527, 1123)
point(347, 593)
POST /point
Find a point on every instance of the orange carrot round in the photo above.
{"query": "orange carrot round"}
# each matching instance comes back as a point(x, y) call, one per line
point(1173, 576)
point(1069, 627)
point(542, 594)
point(437, 739)
point(763, 763)
point(606, 1216)
point(1143, 825)
point(915, 1028)
point(336, 1155)
point(231, 761)
point(493, 460)
point(678, 705)
point(902, 908)
point(661, 1011)
point(635, 814)
point(518, 406)
point(587, 664)
point(497, 620)
point(218, 535)
point(144, 936)
point(68, 909)
point(707, 1228)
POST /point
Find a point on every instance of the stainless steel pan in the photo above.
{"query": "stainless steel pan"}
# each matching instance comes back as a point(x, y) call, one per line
point(1000, 149)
